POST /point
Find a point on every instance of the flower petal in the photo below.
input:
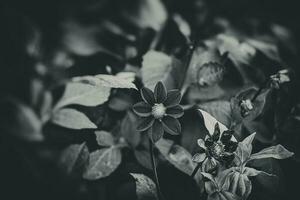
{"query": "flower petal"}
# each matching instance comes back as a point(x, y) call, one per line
point(145, 123)
point(217, 132)
point(175, 111)
point(201, 143)
point(156, 131)
point(160, 92)
point(173, 98)
point(199, 157)
point(171, 125)
point(142, 109)
point(147, 95)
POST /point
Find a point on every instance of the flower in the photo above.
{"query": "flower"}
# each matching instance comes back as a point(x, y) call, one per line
point(246, 107)
point(159, 111)
point(215, 148)
point(282, 76)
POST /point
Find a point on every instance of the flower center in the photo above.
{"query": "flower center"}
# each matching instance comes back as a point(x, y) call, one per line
point(158, 110)
point(217, 150)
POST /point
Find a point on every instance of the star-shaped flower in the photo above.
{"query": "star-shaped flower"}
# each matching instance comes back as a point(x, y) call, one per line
point(159, 111)
point(215, 148)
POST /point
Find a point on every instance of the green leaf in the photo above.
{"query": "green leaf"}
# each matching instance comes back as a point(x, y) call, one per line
point(74, 159)
point(92, 90)
point(277, 152)
point(248, 171)
point(20, 121)
point(158, 66)
point(244, 149)
point(104, 138)
point(102, 163)
point(71, 118)
point(238, 184)
point(145, 187)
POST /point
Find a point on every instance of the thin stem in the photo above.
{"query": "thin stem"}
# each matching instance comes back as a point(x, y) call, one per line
point(259, 91)
point(196, 170)
point(159, 194)
point(191, 50)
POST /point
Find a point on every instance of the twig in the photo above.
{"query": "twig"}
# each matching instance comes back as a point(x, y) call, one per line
point(159, 194)
point(196, 170)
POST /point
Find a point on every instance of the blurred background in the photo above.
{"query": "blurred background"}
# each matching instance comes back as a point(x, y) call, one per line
point(44, 42)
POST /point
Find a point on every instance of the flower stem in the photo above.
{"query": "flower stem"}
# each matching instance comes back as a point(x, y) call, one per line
point(159, 194)
point(196, 170)
point(259, 91)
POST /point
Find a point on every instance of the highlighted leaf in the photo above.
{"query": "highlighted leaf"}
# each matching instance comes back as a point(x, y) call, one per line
point(73, 119)
point(102, 163)
point(104, 138)
point(74, 159)
point(145, 187)
point(277, 152)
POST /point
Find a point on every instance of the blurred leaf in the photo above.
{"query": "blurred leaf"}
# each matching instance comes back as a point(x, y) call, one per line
point(104, 138)
point(183, 26)
point(145, 187)
point(221, 110)
point(277, 152)
point(176, 155)
point(143, 157)
point(92, 90)
point(83, 94)
point(20, 121)
point(239, 52)
point(102, 163)
point(147, 14)
point(268, 49)
point(258, 104)
point(74, 159)
point(202, 55)
point(272, 185)
point(192, 131)
point(129, 129)
point(157, 67)
point(71, 118)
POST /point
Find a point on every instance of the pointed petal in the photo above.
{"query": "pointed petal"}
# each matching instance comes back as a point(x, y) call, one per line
point(175, 111)
point(156, 131)
point(201, 143)
point(160, 92)
point(147, 95)
point(171, 125)
point(142, 109)
point(199, 157)
point(173, 98)
point(145, 123)
point(217, 132)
